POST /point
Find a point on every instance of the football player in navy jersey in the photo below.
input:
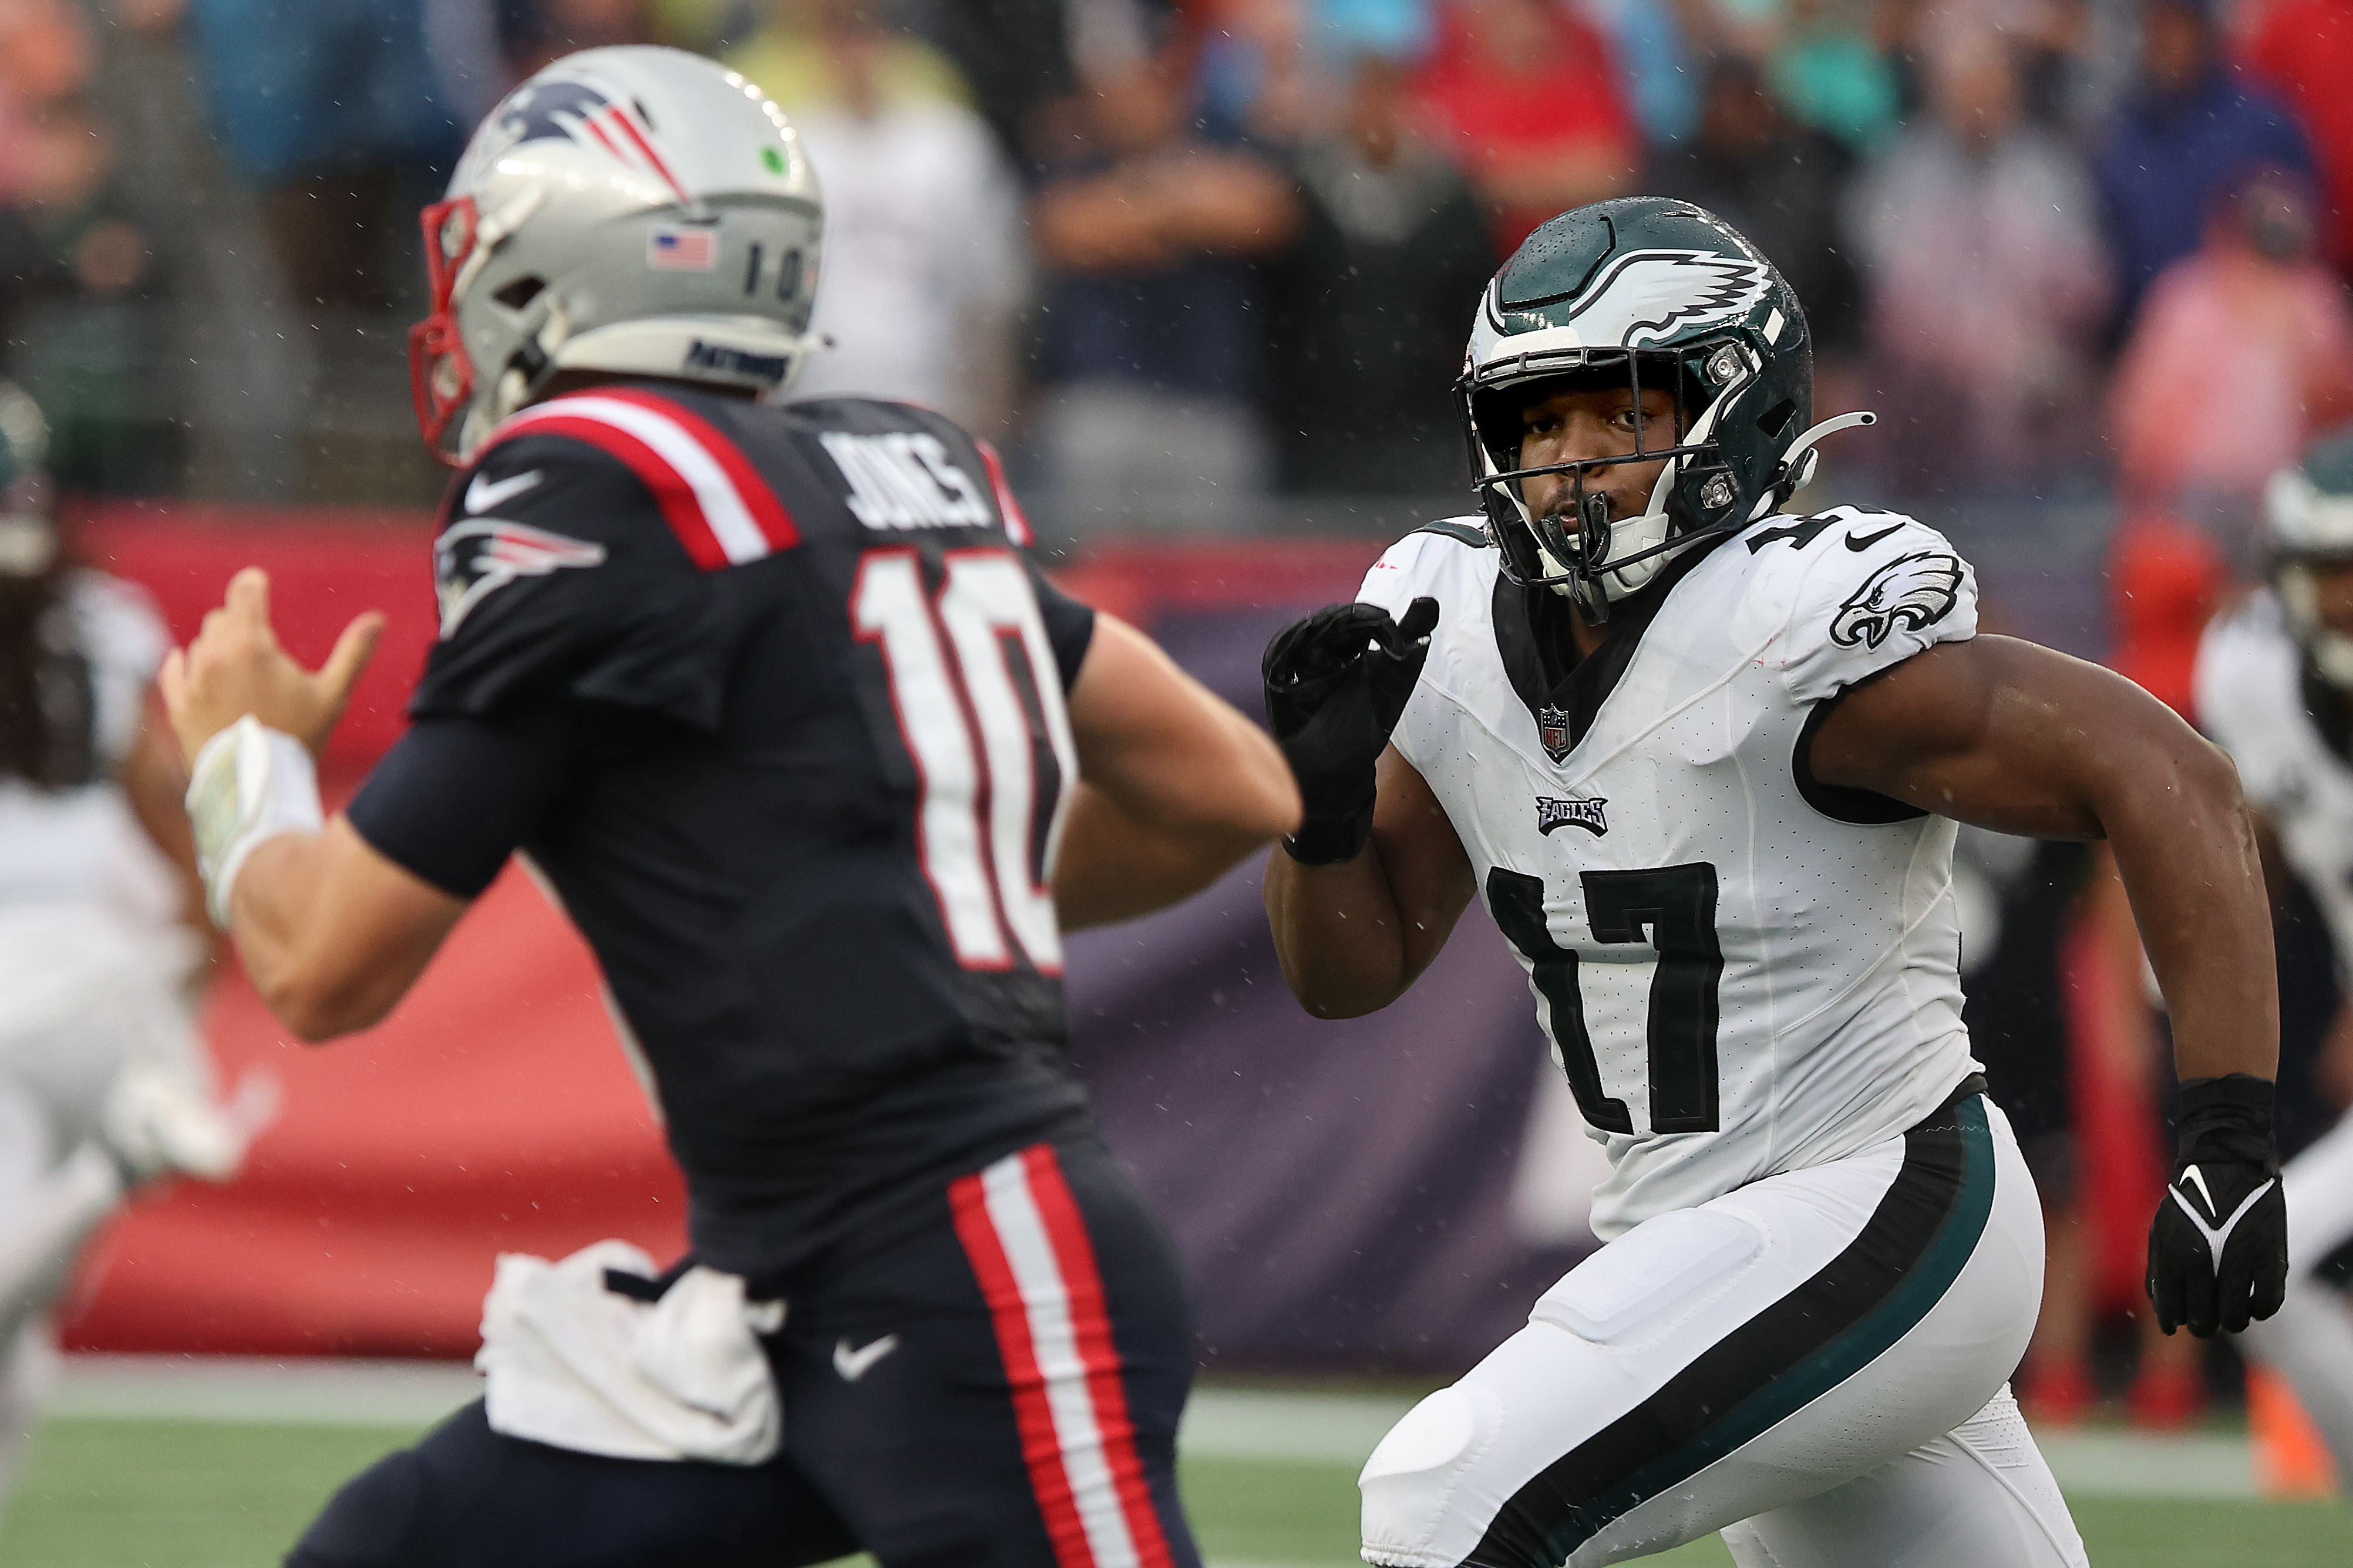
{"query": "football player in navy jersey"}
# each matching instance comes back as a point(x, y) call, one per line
point(775, 702)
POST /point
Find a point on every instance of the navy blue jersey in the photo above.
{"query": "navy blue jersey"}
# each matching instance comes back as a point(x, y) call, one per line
point(773, 698)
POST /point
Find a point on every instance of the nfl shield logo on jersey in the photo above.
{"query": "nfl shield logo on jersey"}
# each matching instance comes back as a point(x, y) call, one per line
point(1552, 729)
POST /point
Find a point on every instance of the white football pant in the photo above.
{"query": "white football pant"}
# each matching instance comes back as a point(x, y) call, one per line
point(2309, 1341)
point(1815, 1365)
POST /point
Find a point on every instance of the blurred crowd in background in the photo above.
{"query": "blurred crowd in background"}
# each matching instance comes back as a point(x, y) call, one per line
point(1206, 266)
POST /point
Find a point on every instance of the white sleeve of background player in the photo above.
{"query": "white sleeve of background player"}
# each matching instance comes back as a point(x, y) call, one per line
point(122, 635)
point(1870, 593)
point(2243, 680)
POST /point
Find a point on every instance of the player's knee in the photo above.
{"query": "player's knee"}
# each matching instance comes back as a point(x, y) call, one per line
point(367, 1523)
point(1411, 1483)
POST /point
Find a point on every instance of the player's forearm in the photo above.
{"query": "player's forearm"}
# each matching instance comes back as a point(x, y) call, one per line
point(1337, 935)
point(1114, 866)
point(1215, 777)
point(331, 935)
point(2186, 849)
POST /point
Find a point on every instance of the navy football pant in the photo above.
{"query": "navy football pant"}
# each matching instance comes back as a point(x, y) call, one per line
point(1000, 1386)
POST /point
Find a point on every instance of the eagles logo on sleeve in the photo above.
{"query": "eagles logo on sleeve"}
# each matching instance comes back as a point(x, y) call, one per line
point(1912, 591)
point(480, 555)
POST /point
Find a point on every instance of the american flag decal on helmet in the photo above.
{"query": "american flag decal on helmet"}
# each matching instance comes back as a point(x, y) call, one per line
point(682, 250)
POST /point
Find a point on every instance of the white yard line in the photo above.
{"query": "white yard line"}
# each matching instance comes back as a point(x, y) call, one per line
point(1220, 1423)
point(296, 1391)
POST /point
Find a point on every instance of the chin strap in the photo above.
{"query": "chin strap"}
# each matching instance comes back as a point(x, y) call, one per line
point(1798, 462)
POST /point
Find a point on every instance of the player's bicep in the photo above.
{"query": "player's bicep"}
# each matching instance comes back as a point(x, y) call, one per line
point(1429, 877)
point(1993, 731)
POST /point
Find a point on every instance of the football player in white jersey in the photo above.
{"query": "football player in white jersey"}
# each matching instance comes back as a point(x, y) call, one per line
point(2275, 688)
point(104, 1085)
point(1702, 761)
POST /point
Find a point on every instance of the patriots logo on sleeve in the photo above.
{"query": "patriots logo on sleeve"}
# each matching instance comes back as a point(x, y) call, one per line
point(477, 557)
point(1911, 590)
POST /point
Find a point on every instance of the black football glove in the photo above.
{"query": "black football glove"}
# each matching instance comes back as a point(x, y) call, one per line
point(2218, 1252)
point(1335, 683)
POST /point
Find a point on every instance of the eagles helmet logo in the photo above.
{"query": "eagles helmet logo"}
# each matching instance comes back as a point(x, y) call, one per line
point(477, 557)
point(1647, 294)
point(1914, 591)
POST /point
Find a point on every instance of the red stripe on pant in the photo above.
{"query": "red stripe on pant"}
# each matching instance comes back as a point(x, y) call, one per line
point(1039, 1176)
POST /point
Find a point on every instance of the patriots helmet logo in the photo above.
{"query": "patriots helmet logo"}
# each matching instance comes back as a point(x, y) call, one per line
point(1645, 295)
point(550, 111)
point(477, 557)
point(1912, 591)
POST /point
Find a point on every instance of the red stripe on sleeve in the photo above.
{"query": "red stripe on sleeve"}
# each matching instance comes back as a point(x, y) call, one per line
point(671, 493)
point(1042, 1447)
point(759, 497)
point(1090, 1318)
point(1017, 522)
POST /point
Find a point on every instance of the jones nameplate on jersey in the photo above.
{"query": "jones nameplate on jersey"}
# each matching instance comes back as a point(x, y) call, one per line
point(1577, 811)
point(906, 479)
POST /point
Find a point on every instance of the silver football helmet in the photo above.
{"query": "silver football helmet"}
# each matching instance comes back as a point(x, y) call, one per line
point(635, 210)
point(2308, 514)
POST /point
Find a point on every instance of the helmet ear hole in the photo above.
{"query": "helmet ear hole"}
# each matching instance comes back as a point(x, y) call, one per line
point(521, 293)
point(1776, 420)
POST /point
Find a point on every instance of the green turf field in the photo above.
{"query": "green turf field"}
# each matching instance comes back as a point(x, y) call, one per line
point(123, 1493)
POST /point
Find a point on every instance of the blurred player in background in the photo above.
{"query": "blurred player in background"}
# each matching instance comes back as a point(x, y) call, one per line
point(778, 707)
point(2275, 688)
point(103, 1083)
point(1702, 760)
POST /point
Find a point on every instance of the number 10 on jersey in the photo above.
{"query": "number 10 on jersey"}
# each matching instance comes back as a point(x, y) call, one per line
point(985, 758)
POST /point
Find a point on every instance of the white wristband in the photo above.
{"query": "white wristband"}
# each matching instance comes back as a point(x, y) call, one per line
point(250, 784)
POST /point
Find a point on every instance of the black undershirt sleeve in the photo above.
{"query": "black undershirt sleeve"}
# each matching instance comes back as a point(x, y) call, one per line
point(453, 799)
point(1070, 625)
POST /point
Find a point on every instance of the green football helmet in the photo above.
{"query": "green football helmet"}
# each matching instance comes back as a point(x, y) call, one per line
point(1661, 293)
point(2308, 513)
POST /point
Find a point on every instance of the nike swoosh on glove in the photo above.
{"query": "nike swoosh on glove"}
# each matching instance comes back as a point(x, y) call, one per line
point(2218, 1250)
point(1335, 683)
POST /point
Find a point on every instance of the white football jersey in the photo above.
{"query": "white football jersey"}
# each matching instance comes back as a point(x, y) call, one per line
point(1742, 971)
point(82, 845)
point(2250, 696)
